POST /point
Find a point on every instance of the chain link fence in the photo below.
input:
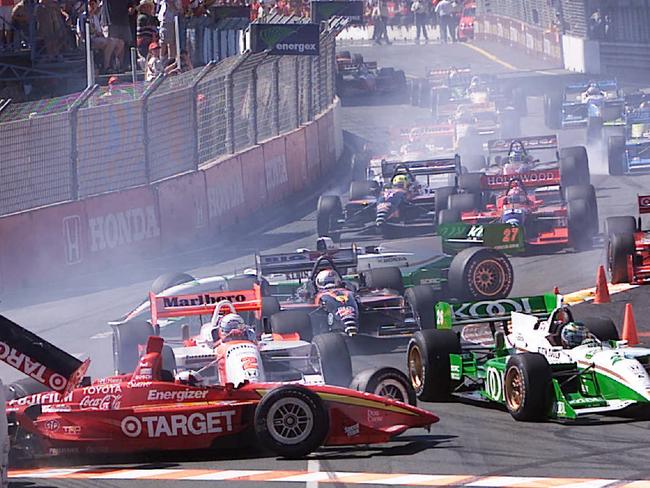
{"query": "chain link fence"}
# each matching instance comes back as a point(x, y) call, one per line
point(112, 138)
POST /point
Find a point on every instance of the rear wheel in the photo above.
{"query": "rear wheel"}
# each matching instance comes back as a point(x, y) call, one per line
point(620, 225)
point(335, 360)
point(527, 387)
point(385, 382)
point(449, 216)
point(421, 301)
point(615, 155)
point(471, 182)
point(463, 202)
point(442, 197)
point(580, 217)
point(390, 278)
point(574, 166)
point(428, 364)
point(291, 421)
point(328, 211)
point(619, 249)
point(292, 321)
point(479, 273)
point(588, 194)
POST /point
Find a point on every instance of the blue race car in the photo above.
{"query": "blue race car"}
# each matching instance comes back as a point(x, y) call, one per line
point(631, 153)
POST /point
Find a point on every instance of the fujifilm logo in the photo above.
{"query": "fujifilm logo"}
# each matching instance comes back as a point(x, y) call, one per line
point(122, 228)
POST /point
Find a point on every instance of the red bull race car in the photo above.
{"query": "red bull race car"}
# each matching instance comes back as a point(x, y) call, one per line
point(151, 409)
point(628, 247)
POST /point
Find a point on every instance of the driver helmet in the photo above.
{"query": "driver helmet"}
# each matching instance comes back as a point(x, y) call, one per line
point(516, 194)
point(517, 154)
point(328, 278)
point(230, 325)
point(573, 334)
point(593, 90)
point(400, 181)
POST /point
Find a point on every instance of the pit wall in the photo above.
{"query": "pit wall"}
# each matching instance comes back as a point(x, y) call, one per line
point(114, 229)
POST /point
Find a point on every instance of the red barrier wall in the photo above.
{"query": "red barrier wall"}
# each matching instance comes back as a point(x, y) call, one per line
point(253, 171)
point(275, 166)
point(296, 159)
point(183, 209)
point(225, 192)
point(326, 144)
point(312, 147)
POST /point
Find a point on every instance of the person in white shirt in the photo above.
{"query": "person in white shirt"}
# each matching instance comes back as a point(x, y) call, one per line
point(445, 12)
point(168, 9)
point(420, 17)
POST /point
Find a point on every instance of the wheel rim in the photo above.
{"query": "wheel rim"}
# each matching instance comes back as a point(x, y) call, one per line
point(489, 278)
point(416, 368)
point(393, 389)
point(290, 421)
point(515, 389)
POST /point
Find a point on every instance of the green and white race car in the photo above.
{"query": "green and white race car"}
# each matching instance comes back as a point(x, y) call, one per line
point(510, 352)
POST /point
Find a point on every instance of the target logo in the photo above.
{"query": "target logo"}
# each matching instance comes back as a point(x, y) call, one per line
point(131, 426)
point(644, 202)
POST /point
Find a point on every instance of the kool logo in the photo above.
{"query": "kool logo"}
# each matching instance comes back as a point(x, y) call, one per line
point(123, 228)
point(491, 308)
point(475, 232)
point(198, 423)
point(32, 368)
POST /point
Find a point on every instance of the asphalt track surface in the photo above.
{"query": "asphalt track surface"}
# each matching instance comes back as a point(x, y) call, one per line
point(469, 440)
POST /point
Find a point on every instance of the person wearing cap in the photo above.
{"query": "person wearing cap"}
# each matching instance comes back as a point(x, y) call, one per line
point(155, 62)
point(147, 26)
point(112, 49)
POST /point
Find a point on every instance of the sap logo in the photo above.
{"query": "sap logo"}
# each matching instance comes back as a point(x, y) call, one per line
point(122, 228)
point(72, 239)
point(197, 423)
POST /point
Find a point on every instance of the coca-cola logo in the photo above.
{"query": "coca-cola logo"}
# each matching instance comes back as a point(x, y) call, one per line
point(107, 402)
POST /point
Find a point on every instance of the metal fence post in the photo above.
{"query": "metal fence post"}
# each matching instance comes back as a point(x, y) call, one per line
point(275, 96)
point(296, 83)
point(252, 123)
point(145, 122)
point(74, 154)
point(309, 87)
point(194, 93)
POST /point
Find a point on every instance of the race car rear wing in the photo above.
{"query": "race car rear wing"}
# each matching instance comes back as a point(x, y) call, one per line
point(640, 116)
point(297, 262)
point(425, 167)
point(203, 303)
point(443, 73)
point(530, 143)
point(38, 359)
point(422, 132)
point(603, 85)
point(644, 204)
point(449, 315)
point(531, 179)
point(458, 236)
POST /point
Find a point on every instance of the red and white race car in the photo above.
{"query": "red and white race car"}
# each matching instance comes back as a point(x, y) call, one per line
point(150, 410)
point(628, 247)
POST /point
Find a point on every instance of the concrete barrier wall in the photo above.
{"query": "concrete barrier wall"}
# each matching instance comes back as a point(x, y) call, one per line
point(98, 233)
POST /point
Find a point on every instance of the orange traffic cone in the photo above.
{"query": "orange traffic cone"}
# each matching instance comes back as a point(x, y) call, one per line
point(629, 326)
point(602, 291)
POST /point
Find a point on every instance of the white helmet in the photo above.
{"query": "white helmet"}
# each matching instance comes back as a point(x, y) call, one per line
point(230, 322)
point(328, 278)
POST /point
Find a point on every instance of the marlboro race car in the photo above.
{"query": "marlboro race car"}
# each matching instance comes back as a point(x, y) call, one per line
point(530, 355)
point(405, 200)
point(387, 290)
point(358, 77)
point(628, 247)
point(148, 410)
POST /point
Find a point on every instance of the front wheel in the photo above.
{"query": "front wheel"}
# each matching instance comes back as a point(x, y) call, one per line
point(291, 421)
point(620, 248)
point(334, 357)
point(421, 301)
point(385, 382)
point(327, 213)
point(478, 273)
point(527, 387)
point(428, 363)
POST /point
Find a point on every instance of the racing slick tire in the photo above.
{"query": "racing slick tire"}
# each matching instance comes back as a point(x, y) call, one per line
point(604, 329)
point(362, 189)
point(335, 359)
point(471, 182)
point(580, 218)
point(574, 166)
point(126, 339)
point(328, 210)
point(520, 101)
point(442, 196)
point(385, 382)
point(463, 202)
point(480, 273)
point(168, 280)
point(615, 153)
point(357, 58)
point(421, 301)
point(527, 387)
point(619, 248)
point(358, 166)
point(24, 387)
point(587, 193)
point(292, 321)
point(449, 216)
point(428, 365)
point(620, 225)
point(553, 111)
point(474, 163)
point(297, 409)
point(389, 277)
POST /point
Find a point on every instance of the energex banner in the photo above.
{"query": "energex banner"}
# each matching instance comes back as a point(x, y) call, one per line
point(297, 39)
point(353, 11)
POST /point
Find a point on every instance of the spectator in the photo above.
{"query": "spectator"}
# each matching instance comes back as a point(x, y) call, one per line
point(20, 21)
point(147, 27)
point(420, 15)
point(114, 16)
point(50, 29)
point(168, 9)
point(457, 11)
point(155, 62)
point(596, 26)
point(113, 88)
point(112, 49)
point(445, 12)
point(6, 29)
point(380, 19)
point(186, 65)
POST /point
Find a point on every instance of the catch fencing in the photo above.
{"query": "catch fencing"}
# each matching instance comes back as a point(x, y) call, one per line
point(108, 139)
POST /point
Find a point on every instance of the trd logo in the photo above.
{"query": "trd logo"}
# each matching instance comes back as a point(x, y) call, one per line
point(72, 239)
